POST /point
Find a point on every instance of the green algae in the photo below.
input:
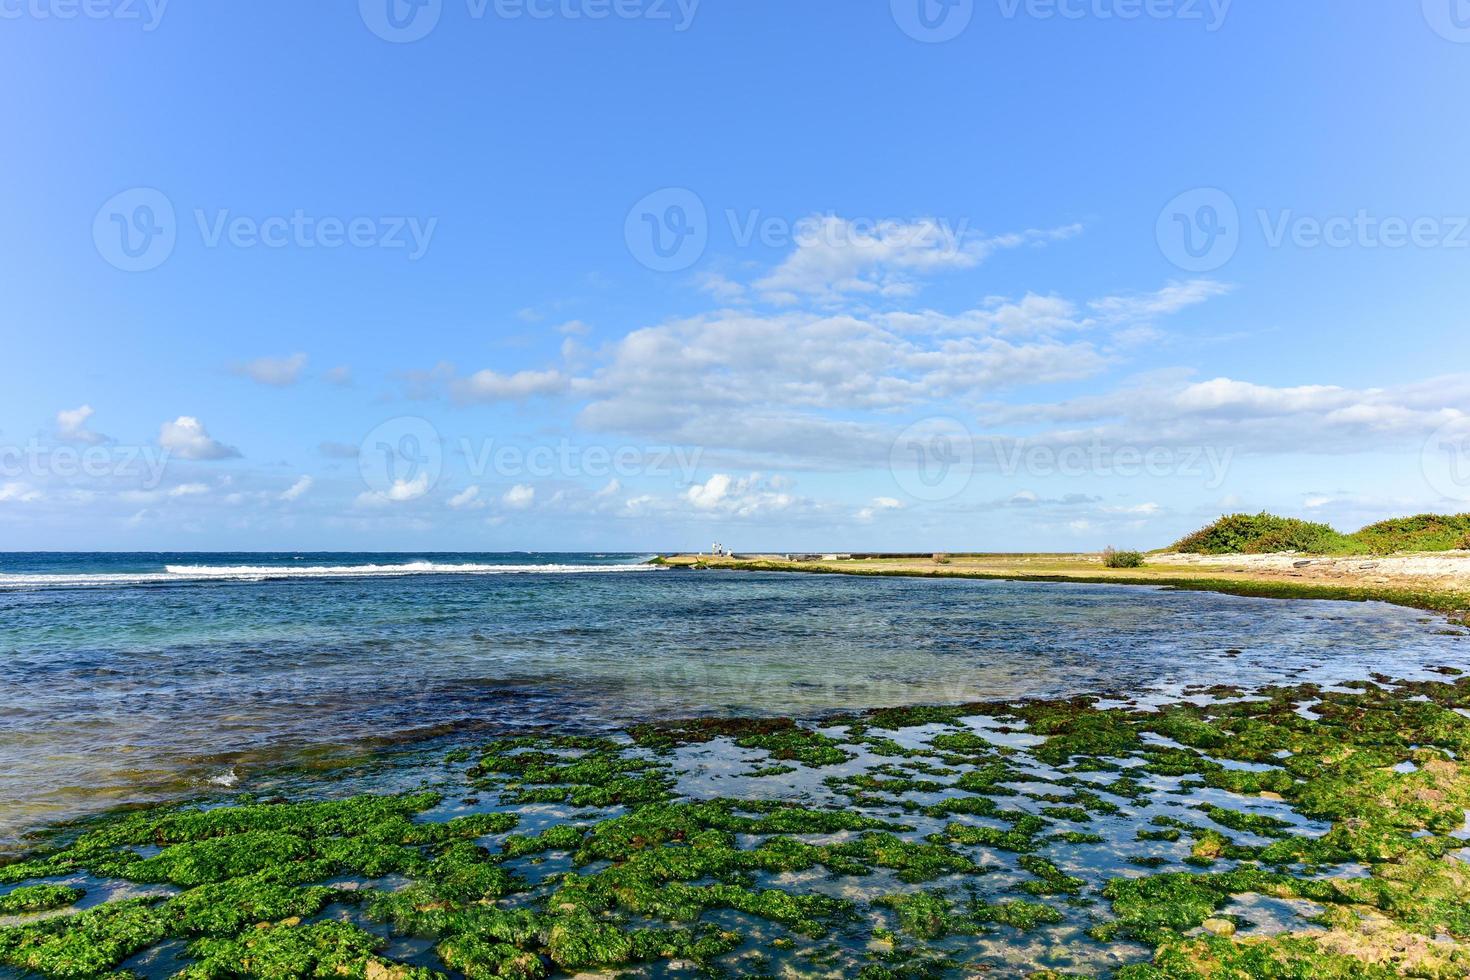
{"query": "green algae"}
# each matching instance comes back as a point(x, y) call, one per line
point(641, 875)
point(38, 898)
point(322, 949)
point(88, 944)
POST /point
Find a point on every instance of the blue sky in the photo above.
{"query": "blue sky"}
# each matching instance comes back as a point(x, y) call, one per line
point(379, 292)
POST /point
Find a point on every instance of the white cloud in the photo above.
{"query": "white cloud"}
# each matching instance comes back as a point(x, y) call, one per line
point(341, 375)
point(1171, 299)
point(488, 386)
point(188, 490)
point(835, 256)
point(519, 497)
point(745, 497)
point(468, 498)
point(721, 287)
point(187, 438)
point(71, 424)
point(709, 494)
point(298, 489)
point(1244, 417)
point(278, 372)
point(400, 492)
point(1142, 510)
point(19, 493)
point(409, 489)
point(611, 490)
point(878, 505)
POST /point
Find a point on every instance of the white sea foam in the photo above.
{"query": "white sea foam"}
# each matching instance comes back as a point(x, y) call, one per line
point(262, 573)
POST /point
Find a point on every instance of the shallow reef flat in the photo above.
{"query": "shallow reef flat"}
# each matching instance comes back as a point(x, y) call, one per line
point(1282, 832)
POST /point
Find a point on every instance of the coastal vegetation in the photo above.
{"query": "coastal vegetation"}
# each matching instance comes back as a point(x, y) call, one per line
point(1283, 832)
point(1113, 558)
point(1256, 534)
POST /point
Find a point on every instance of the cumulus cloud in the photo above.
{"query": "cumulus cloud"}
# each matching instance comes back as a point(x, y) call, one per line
point(187, 438)
point(188, 490)
point(753, 497)
point(743, 497)
point(1247, 417)
point(71, 425)
point(878, 505)
point(488, 386)
point(468, 498)
point(400, 492)
point(1165, 302)
point(341, 375)
point(519, 497)
point(298, 489)
point(835, 256)
point(789, 384)
point(278, 372)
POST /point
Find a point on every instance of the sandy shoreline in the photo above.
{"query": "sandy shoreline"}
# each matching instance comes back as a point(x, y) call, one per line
point(1437, 581)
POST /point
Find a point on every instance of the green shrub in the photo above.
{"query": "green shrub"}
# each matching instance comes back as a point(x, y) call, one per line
point(1259, 534)
point(1113, 558)
point(1423, 532)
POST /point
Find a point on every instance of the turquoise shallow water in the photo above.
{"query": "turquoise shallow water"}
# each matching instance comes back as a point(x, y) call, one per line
point(134, 677)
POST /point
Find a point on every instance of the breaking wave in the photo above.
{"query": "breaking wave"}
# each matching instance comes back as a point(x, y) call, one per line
point(261, 573)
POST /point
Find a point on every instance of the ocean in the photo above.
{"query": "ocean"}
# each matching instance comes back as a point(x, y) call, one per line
point(128, 678)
